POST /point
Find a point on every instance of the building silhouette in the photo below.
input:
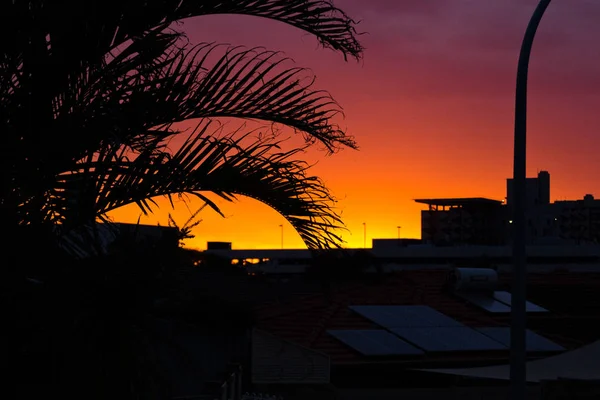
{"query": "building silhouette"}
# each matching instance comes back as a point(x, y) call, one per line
point(578, 220)
point(464, 231)
point(457, 221)
point(537, 190)
point(482, 221)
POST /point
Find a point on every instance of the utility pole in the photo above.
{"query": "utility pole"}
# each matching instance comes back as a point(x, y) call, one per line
point(518, 356)
point(281, 226)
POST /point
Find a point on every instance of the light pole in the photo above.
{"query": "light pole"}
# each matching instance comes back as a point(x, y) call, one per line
point(364, 235)
point(281, 226)
point(518, 356)
point(399, 231)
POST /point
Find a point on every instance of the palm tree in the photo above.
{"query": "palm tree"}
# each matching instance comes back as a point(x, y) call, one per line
point(91, 93)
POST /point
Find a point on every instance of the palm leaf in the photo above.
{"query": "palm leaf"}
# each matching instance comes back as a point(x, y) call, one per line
point(204, 163)
point(97, 27)
point(137, 106)
point(242, 84)
point(38, 52)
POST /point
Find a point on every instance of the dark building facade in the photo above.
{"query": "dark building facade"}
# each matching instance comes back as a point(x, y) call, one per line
point(578, 220)
point(542, 226)
point(463, 221)
point(480, 221)
point(537, 190)
point(571, 221)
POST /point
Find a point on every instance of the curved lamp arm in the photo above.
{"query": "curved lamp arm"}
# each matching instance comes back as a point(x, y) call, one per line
point(518, 356)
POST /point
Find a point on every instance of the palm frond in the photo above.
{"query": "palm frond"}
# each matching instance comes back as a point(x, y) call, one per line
point(332, 26)
point(134, 100)
point(242, 83)
point(37, 47)
point(205, 163)
point(96, 27)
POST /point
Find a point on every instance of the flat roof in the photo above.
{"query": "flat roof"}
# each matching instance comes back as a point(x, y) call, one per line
point(464, 201)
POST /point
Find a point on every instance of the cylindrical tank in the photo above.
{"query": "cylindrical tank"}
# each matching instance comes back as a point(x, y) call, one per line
point(478, 279)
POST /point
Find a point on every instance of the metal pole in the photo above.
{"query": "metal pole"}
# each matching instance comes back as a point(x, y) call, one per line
point(364, 235)
point(399, 231)
point(281, 226)
point(518, 356)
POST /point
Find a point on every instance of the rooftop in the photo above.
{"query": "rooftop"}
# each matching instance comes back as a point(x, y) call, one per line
point(572, 320)
point(465, 201)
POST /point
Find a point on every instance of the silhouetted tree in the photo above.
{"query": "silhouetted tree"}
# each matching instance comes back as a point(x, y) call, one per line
point(91, 93)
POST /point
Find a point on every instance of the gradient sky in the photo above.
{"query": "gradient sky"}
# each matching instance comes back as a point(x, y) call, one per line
point(432, 107)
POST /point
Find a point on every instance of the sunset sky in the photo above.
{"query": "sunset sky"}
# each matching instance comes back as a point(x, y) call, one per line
point(431, 107)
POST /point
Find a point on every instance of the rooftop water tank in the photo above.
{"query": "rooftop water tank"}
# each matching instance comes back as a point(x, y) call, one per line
point(474, 279)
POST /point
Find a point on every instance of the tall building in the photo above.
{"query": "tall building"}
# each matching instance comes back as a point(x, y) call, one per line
point(575, 221)
point(537, 190)
point(541, 221)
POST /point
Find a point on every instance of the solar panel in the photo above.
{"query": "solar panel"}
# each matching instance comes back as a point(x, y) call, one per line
point(375, 342)
point(449, 339)
point(485, 302)
point(506, 297)
point(535, 342)
point(405, 316)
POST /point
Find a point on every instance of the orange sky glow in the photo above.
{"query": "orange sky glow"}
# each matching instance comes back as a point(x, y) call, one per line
point(431, 107)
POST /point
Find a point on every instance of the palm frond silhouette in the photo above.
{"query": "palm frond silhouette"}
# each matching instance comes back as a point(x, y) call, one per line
point(91, 92)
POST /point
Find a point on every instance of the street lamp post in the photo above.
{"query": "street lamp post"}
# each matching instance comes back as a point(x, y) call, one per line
point(399, 231)
point(518, 357)
point(364, 235)
point(281, 226)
